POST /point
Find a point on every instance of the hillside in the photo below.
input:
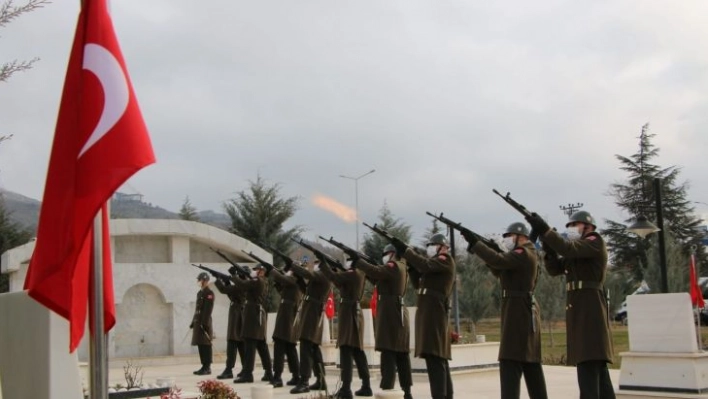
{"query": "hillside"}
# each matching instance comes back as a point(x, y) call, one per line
point(25, 210)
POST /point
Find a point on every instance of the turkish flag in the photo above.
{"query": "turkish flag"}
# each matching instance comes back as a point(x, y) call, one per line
point(696, 294)
point(100, 141)
point(329, 307)
point(374, 301)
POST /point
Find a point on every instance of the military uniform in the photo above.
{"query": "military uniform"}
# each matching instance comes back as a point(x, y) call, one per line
point(284, 333)
point(589, 340)
point(350, 331)
point(255, 322)
point(202, 330)
point(392, 322)
point(520, 348)
point(432, 329)
point(234, 342)
point(309, 327)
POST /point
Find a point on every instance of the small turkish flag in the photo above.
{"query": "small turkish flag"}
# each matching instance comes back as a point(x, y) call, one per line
point(329, 307)
point(100, 141)
point(374, 301)
point(696, 294)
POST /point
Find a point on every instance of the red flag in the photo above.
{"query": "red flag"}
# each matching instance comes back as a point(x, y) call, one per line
point(374, 301)
point(100, 141)
point(696, 294)
point(329, 308)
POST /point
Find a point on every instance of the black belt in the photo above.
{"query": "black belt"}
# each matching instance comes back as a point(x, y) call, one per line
point(398, 298)
point(516, 294)
point(311, 299)
point(287, 301)
point(583, 285)
point(344, 300)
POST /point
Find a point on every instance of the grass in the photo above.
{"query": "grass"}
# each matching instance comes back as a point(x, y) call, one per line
point(554, 353)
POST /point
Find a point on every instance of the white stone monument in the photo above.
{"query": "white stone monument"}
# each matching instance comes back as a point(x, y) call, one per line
point(664, 360)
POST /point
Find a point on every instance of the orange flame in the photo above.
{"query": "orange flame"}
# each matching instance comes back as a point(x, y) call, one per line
point(340, 210)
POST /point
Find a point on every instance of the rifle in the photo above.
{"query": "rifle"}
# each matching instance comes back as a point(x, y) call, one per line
point(333, 262)
point(286, 259)
point(380, 231)
point(520, 208)
point(216, 274)
point(265, 264)
point(465, 231)
point(237, 269)
point(350, 251)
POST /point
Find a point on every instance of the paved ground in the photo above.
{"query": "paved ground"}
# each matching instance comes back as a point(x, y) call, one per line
point(560, 380)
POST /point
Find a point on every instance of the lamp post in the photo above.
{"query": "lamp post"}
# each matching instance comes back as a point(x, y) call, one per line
point(642, 227)
point(356, 200)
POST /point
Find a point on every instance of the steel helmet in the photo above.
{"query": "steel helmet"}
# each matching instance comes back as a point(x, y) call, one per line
point(583, 217)
point(389, 248)
point(517, 228)
point(203, 276)
point(438, 239)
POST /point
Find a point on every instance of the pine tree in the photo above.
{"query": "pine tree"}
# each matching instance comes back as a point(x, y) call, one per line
point(11, 236)
point(258, 214)
point(631, 254)
point(477, 286)
point(188, 211)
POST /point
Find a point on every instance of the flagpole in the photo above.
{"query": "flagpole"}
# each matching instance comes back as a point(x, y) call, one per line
point(698, 310)
point(99, 359)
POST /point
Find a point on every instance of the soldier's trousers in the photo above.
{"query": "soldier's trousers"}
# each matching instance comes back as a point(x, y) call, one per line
point(205, 355)
point(232, 347)
point(264, 354)
point(439, 377)
point(346, 354)
point(310, 355)
point(594, 380)
point(281, 349)
point(392, 361)
point(510, 372)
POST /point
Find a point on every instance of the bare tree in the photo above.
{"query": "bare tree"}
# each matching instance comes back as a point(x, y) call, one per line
point(9, 12)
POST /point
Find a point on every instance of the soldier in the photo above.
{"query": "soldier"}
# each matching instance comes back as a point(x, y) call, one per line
point(234, 342)
point(520, 349)
point(310, 325)
point(582, 258)
point(350, 333)
point(392, 333)
point(255, 321)
point(202, 332)
point(432, 330)
point(285, 336)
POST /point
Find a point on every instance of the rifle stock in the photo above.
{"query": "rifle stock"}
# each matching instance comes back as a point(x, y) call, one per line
point(286, 259)
point(465, 231)
point(265, 264)
point(334, 262)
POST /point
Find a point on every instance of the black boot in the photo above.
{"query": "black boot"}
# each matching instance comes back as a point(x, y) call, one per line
point(198, 372)
point(407, 395)
point(268, 376)
point(319, 384)
point(301, 388)
point(344, 393)
point(276, 382)
point(365, 389)
point(244, 379)
point(293, 381)
point(203, 371)
point(226, 374)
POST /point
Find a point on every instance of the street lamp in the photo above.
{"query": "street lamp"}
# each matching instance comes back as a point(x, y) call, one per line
point(356, 200)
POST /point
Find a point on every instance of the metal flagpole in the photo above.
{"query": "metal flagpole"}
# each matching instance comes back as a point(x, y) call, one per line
point(97, 352)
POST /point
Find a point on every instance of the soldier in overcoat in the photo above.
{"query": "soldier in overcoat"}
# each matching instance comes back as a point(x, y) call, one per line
point(392, 321)
point(284, 333)
point(309, 326)
point(350, 331)
point(202, 330)
point(234, 342)
point(432, 329)
point(255, 322)
point(582, 258)
point(520, 347)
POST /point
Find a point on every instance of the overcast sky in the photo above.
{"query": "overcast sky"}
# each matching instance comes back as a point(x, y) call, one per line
point(446, 100)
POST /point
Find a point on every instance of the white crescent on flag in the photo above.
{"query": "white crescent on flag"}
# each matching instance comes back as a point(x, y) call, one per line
point(116, 94)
